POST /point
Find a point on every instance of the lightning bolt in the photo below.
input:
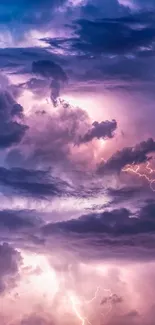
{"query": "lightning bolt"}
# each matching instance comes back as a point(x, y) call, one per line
point(109, 303)
point(75, 303)
point(136, 170)
point(95, 296)
point(76, 306)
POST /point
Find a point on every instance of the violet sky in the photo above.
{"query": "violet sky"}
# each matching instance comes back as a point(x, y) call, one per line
point(77, 168)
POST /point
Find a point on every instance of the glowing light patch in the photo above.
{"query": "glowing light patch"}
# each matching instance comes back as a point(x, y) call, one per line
point(30, 103)
point(39, 275)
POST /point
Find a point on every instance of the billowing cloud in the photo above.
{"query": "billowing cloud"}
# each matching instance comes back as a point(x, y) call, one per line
point(54, 137)
point(60, 132)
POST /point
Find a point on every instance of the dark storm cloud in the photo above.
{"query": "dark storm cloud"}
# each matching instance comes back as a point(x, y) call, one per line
point(104, 130)
point(14, 220)
point(19, 60)
point(10, 260)
point(115, 71)
point(12, 129)
point(48, 77)
point(118, 232)
point(89, 66)
point(109, 233)
point(43, 88)
point(41, 15)
point(148, 211)
point(55, 91)
point(102, 8)
point(124, 193)
point(36, 183)
point(78, 68)
point(115, 48)
point(51, 70)
point(92, 223)
point(129, 155)
point(27, 13)
point(110, 36)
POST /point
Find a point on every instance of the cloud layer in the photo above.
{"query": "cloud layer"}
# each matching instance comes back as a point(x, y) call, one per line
point(77, 172)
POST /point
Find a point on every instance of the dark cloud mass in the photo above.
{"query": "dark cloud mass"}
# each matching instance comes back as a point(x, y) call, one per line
point(131, 155)
point(116, 222)
point(108, 234)
point(10, 259)
point(27, 14)
point(49, 69)
point(111, 35)
point(12, 129)
point(52, 71)
point(14, 220)
point(36, 183)
point(102, 130)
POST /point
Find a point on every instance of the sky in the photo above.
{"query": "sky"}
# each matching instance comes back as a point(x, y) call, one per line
point(77, 162)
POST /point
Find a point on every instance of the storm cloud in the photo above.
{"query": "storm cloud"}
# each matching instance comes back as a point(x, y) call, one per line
point(100, 130)
point(119, 230)
point(12, 129)
point(77, 228)
point(130, 155)
point(10, 260)
point(52, 71)
point(36, 183)
point(111, 35)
